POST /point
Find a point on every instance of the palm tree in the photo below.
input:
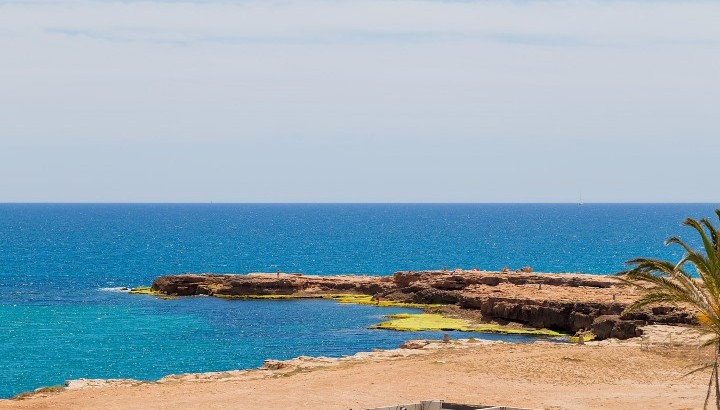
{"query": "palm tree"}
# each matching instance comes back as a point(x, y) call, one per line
point(693, 281)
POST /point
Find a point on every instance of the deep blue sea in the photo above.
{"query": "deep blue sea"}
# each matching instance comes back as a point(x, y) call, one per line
point(57, 322)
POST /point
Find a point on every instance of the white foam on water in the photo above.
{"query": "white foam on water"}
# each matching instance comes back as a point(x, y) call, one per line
point(117, 289)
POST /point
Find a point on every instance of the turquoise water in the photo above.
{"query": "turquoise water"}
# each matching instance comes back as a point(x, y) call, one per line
point(57, 322)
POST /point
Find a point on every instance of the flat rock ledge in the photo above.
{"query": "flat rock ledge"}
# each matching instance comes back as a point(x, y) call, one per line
point(563, 302)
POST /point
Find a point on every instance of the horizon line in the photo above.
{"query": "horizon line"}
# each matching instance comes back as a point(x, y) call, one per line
point(349, 203)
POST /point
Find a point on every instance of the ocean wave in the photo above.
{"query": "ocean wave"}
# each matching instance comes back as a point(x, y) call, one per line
point(117, 289)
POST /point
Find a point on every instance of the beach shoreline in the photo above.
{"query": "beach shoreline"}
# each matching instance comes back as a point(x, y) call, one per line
point(605, 374)
point(511, 301)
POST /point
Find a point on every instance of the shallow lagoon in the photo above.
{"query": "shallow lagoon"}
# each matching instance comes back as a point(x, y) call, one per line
point(143, 337)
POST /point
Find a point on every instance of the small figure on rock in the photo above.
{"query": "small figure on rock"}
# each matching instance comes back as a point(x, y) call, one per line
point(446, 338)
point(505, 270)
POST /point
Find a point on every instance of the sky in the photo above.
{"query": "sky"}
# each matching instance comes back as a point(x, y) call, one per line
point(359, 101)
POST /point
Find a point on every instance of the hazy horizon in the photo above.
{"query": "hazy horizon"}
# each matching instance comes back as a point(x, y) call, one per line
point(357, 203)
point(372, 101)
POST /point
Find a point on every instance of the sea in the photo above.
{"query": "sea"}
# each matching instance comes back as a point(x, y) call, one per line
point(62, 316)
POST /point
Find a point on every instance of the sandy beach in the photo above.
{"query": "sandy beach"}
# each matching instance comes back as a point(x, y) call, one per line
point(610, 374)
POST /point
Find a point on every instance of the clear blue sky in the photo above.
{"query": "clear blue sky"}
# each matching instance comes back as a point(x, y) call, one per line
point(359, 101)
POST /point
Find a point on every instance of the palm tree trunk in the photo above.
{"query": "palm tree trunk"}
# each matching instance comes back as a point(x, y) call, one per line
point(709, 389)
point(717, 387)
point(714, 381)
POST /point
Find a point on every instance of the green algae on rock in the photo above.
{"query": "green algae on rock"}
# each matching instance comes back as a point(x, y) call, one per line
point(345, 298)
point(434, 322)
point(145, 290)
point(587, 337)
point(368, 300)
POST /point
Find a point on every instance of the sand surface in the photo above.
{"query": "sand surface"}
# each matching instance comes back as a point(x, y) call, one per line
point(633, 374)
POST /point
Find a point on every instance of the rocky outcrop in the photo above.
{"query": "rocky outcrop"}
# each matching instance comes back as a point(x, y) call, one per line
point(611, 326)
point(563, 302)
point(462, 279)
point(268, 284)
point(541, 314)
point(605, 320)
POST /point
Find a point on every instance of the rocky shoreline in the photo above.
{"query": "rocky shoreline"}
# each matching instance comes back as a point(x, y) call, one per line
point(273, 368)
point(591, 376)
point(568, 303)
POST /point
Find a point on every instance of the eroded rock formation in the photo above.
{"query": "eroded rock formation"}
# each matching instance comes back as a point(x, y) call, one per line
point(564, 302)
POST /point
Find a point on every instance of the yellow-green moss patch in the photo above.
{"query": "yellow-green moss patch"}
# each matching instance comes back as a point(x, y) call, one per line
point(345, 298)
point(368, 300)
point(146, 290)
point(587, 337)
point(434, 322)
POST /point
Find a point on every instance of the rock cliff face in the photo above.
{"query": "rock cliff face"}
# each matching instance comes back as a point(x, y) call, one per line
point(564, 302)
point(268, 284)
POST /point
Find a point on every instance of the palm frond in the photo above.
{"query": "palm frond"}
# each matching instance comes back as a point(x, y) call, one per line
point(713, 341)
point(713, 232)
point(699, 369)
point(664, 282)
point(707, 244)
point(649, 264)
point(697, 259)
point(655, 297)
